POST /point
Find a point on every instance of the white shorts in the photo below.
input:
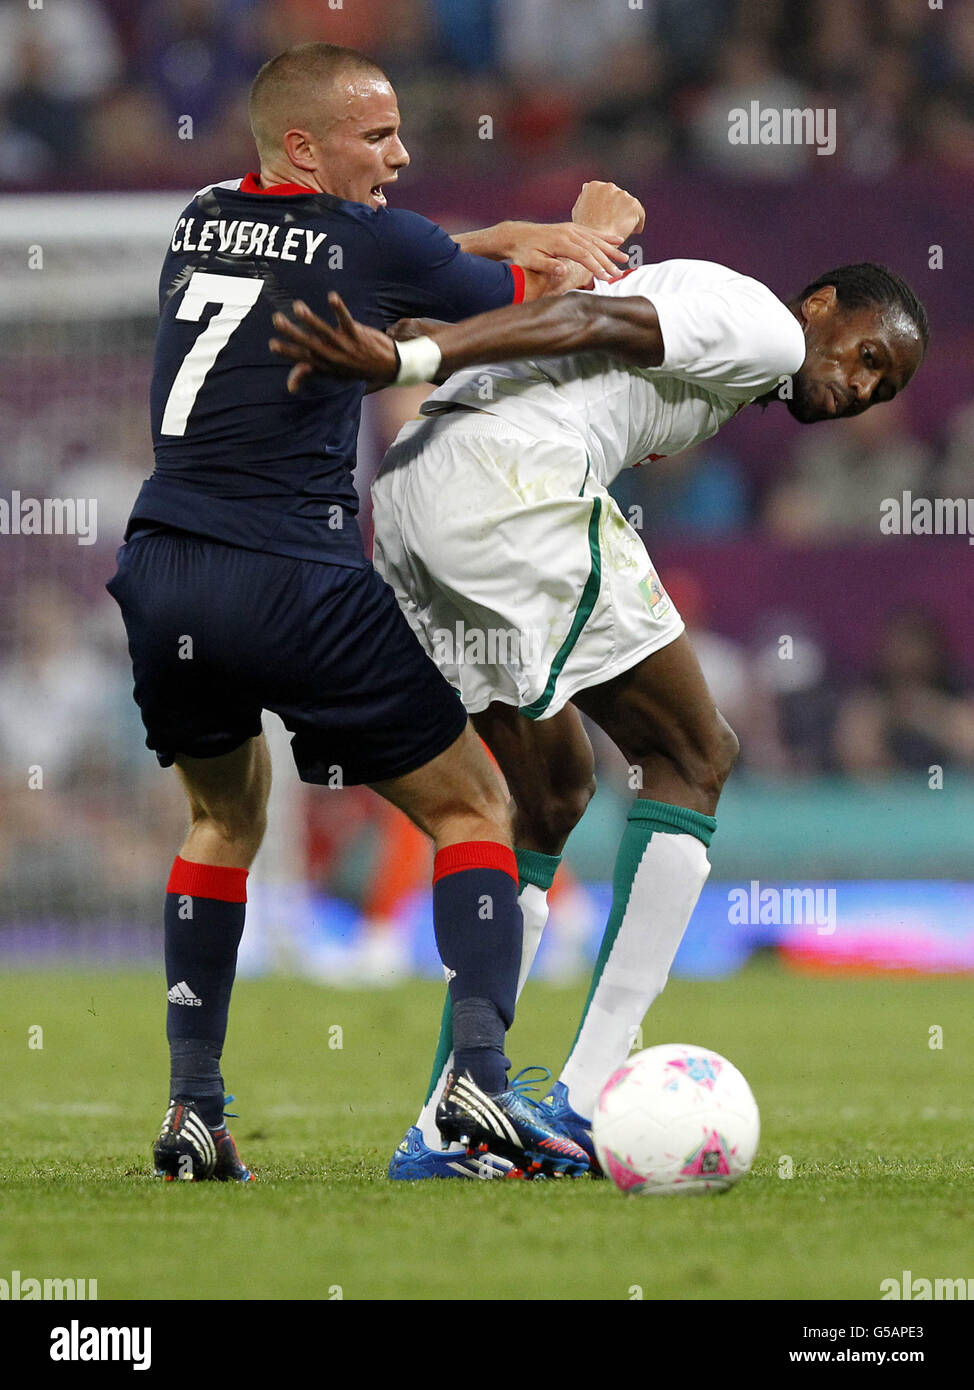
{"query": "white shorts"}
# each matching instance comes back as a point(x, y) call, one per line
point(513, 564)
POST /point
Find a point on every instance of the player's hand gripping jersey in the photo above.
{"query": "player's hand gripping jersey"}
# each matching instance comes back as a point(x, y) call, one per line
point(513, 564)
point(237, 458)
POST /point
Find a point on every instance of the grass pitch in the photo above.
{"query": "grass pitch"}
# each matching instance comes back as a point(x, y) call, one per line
point(875, 1121)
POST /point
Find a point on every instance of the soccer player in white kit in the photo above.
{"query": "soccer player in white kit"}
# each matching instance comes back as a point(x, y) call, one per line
point(521, 577)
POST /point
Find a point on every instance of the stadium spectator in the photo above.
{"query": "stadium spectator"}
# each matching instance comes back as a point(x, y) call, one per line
point(100, 83)
point(24, 158)
point(92, 78)
point(741, 690)
point(565, 40)
point(747, 74)
point(52, 699)
point(628, 120)
point(839, 481)
point(914, 711)
point(466, 31)
point(366, 27)
point(700, 492)
point(197, 55)
point(53, 64)
point(792, 667)
point(948, 138)
point(879, 117)
point(691, 32)
point(955, 476)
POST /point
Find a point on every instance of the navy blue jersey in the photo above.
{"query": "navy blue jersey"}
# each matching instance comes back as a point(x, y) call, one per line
point(237, 457)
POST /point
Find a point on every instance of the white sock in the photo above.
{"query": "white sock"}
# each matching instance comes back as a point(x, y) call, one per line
point(659, 874)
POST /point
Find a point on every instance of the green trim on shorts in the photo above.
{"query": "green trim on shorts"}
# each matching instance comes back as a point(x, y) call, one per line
point(582, 614)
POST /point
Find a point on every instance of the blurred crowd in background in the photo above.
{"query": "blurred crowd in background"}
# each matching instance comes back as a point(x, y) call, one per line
point(94, 95)
point(96, 92)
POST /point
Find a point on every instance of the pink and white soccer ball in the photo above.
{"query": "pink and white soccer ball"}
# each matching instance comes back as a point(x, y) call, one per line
point(676, 1119)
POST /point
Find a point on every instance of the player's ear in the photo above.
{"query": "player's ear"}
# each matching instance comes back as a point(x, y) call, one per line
point(820, 304)
point(298, 146)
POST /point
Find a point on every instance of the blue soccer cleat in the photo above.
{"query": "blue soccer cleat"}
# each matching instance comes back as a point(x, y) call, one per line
point(569, 1122)
point(511, 1125)
point(414, 1160)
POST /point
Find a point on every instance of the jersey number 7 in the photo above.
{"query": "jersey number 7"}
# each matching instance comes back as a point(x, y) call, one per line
point(236, 296)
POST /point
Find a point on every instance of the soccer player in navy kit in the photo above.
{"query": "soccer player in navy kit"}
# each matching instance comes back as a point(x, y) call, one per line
point(244, 586)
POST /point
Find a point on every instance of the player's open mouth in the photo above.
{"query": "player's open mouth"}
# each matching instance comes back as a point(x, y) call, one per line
point(377, 196)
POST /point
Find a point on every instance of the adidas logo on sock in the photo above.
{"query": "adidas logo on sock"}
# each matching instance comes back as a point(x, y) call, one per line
point(182, 994)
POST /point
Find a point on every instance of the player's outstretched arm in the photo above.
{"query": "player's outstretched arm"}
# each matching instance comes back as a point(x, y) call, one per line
point(537, 247)
point(626, 327)
point(565, 255)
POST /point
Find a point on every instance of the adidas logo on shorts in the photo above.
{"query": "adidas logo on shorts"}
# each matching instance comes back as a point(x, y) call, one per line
point(182, 994)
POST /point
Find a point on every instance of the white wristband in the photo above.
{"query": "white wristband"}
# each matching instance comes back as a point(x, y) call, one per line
point(419, 360)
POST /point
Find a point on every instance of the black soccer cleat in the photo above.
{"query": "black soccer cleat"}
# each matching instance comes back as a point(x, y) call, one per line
point(188, 1150)
point(512, 1125)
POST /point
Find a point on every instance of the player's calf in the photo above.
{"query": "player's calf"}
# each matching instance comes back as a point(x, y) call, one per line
point(663, 719)
point(549, 767)
point(227, 804)
point(458, 799)
point(205, 908)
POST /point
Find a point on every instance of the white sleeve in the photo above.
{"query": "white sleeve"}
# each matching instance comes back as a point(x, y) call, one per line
point(734, 336)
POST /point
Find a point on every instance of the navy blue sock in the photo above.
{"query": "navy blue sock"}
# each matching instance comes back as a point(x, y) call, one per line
point(478, 929)
point(205, 907)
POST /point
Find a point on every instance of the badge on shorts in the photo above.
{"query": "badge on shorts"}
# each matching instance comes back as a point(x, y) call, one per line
point(655, 595)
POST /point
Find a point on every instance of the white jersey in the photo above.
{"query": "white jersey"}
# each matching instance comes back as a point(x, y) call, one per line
point(727, 340)
point(495, 523)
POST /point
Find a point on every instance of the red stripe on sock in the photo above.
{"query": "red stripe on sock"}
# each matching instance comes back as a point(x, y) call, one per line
point(474, 854)
point(208, 881)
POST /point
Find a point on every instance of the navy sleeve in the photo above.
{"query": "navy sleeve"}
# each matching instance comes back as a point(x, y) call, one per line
point(423, 273)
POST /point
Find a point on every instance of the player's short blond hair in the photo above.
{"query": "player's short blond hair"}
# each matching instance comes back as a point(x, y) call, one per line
point(292, 89)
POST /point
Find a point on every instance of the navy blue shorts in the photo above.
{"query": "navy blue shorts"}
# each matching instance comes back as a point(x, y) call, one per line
point(217, 634)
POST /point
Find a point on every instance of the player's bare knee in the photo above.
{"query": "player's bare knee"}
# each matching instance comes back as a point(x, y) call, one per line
point(488, 811)
point(692, 764)
point(729, 749)
point(713, 759)
point(475, 811)
point(239, 823)
point(549, 820)
point(576, 803)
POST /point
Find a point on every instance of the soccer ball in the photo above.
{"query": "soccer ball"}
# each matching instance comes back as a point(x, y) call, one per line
point(676, 1119)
